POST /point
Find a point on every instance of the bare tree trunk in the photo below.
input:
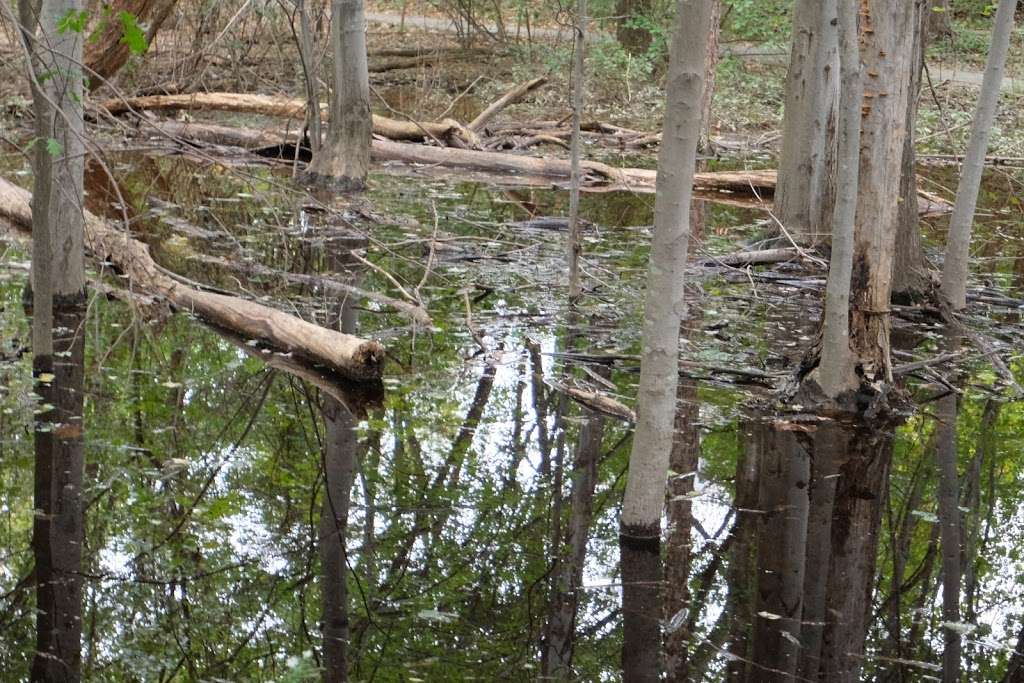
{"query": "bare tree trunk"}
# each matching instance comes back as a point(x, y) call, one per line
point(344, 160)
point(958, 243)
point(781, 555)
point(108, 52)
point(860, 489)
point(806, 168)
point(339, 463)
point(819, 549)
point(836, 367)
point(557, 660)
point(886, 51)
point(949, 520)
point(640, 525)
point(910, 271)
point(1015, 667)
point(307, 56)
point(578, 88)
point(58, 311)
point(742, 574)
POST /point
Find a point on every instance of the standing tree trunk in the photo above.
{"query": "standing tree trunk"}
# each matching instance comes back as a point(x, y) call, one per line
point(344, 159)
point(806, 168)
point(307, 56)
point(578, 85)
point(958, 244)
point(910, 278)
point(837, 373)
point(58, 313)
point(640, 525)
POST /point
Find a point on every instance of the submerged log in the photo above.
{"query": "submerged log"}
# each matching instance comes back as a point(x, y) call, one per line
point(346, 354)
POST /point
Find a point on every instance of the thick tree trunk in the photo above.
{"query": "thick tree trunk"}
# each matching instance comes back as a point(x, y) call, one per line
point(108, 52)
point(346, 354)
point(860, 490)
point(958, 243)
point(887, 52)
point(781, 555)
point(344, 160)
point(640, 525)
point(806, 168)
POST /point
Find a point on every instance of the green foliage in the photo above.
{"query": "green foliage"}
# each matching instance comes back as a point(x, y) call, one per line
point(53, 147)
point(759, 20)
point(133, 36)
point(73, 21)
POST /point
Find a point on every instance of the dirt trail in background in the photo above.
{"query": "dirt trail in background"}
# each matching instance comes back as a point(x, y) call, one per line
point(940, 73)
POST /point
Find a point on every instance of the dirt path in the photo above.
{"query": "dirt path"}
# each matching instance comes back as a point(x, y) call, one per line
point(940, 72)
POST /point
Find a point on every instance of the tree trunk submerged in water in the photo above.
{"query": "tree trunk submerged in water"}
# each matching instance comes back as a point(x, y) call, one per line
point(58, 341)
point(344, 159)
point(640, 525)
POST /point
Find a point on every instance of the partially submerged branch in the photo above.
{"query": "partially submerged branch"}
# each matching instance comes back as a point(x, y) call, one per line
point(346, 354)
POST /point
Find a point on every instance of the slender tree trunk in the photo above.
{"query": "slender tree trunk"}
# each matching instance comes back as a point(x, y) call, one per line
point(958, 243)
point(949, 520)
point(578, 89)
point(836, 368)
point(910, 277)
point(742, 573)
point(58, 307)
point(557, 661)
point(819, 549)
point(339, 463)
point(640, 525)
point(344, 160)
point(807, 166)
point(1015, 667)
point(307, 56)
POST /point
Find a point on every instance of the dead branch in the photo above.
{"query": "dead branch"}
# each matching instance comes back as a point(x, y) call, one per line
point(511, 97)
point(349, 355)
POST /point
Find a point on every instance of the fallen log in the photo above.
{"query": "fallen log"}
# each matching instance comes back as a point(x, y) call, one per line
point(511, 97)
point(346, 354)
point(752, 258)
point(279, 107)
point(731, 187)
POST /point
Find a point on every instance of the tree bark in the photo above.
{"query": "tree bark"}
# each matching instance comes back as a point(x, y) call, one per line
point(886, 51)
point(949, 520)
point(344, 159)
point(806, 167)
point(107, 53)
point(910, 278)
point(836, 367)
point(58, 310)
point(573, 245)
point(781, 555)
point(640, 524)
point(958, 243)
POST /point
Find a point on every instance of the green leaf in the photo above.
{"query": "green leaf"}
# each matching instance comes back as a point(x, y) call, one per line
point(133, 35)
point(53, 147)
point(73, 21)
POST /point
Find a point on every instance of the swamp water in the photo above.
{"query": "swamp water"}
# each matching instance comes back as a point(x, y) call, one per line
point(205, 465)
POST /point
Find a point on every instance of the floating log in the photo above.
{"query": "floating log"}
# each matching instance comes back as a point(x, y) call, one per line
point(346, 354)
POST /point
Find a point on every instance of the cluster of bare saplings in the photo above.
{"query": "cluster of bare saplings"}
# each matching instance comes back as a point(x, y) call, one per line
point(845, 191)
